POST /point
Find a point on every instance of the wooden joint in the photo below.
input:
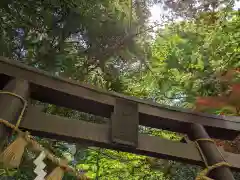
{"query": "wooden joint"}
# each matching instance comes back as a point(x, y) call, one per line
point(124, 123)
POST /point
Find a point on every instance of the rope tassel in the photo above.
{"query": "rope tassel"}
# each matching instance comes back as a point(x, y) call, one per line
point(56, 174)
point(11, 157)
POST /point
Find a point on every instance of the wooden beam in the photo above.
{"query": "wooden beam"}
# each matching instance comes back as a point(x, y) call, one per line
point(51, 126)
point(211, 154)
point(124, 123)
point(11, 106)
point(85, 98)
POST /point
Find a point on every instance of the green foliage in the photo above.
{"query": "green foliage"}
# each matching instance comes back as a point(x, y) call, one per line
point(95, 42)
point(72, 38)
point(184, 171)
point(187, 57)
point(109, 164)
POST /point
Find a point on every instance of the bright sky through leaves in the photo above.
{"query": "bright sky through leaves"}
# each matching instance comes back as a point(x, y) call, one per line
point(157, 11)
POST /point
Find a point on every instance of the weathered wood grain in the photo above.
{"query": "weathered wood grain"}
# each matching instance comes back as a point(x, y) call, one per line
point(45, 125)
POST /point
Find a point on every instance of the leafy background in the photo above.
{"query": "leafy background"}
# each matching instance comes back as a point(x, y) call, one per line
point(113, 45)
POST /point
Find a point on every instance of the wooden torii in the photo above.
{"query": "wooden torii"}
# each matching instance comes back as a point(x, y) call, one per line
point(125, 115)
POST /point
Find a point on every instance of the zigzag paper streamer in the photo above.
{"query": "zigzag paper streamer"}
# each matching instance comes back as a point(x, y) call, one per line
point(40, 165)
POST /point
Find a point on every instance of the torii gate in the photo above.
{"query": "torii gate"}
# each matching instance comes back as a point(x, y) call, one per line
point(125, 114)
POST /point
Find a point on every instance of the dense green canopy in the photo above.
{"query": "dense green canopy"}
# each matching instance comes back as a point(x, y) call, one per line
point(111, 44)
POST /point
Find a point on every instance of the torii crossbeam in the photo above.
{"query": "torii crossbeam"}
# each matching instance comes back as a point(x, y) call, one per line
point(125, 114)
